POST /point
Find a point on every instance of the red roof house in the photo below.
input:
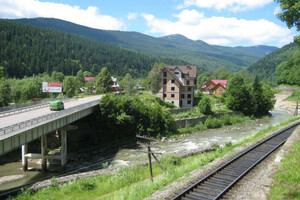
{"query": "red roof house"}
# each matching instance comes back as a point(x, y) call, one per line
point(216, 87)
point(87, 79)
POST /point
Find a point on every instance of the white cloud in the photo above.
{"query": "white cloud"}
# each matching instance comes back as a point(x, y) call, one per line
point(232, 5)
point(220, 30)
point(132, 16)
point(277, 10)
point(33, 8)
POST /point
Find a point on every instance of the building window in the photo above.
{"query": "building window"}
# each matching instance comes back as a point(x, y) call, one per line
point(189, 89)
point(220, 91)
point(176, 73)
point(187, 82)
point(182, 96)
point(189, 102)
point(173, 81)
point(195, 82)
point(165, 74)
point(172, 88)
point(172, 95)
point(165, 81)
point(172, 102)
point(189, 96)
point(165, 95)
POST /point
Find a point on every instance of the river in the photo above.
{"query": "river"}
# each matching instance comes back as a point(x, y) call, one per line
point(127, 157)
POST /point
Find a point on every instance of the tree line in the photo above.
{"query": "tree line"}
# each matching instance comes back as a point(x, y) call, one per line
point(26, 50)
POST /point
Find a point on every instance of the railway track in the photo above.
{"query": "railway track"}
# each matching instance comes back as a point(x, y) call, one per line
point(218, 183)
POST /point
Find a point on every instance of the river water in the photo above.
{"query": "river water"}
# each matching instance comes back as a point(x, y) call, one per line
point(127, 157)
point(203, 139)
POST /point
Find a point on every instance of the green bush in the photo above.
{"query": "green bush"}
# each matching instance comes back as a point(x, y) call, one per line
point(205, 106)
point(124, 115)
point(213, 122)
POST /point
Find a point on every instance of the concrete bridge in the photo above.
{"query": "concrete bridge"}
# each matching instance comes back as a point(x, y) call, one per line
point(17, 129)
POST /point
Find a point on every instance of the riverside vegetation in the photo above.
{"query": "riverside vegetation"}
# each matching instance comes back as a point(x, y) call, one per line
point(134, 182)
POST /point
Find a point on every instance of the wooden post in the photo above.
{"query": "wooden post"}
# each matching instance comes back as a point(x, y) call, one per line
point(296, 110)
point(63, 148)
point(24, 158)
point(150, 164)
point(44, 152)
point(158, 162)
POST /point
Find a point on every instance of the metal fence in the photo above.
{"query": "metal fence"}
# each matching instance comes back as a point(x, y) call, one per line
point(46, 118)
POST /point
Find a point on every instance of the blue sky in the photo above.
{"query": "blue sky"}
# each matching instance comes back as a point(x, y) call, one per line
point(220, 22)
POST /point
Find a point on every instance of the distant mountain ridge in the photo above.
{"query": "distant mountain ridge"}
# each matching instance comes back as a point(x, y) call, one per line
point(176, 46)
point(266, 66)
point(27, 50)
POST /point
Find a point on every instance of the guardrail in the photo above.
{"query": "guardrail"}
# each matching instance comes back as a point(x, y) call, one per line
point(46, 118)
point(28, 108)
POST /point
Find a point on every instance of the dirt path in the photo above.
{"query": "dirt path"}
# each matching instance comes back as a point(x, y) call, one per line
point(281, 104)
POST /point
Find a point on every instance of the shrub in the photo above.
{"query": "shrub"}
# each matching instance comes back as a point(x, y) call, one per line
point(213, 122)
point(205, 106)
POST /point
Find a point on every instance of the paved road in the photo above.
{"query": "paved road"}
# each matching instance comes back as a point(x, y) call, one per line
point(21, 117)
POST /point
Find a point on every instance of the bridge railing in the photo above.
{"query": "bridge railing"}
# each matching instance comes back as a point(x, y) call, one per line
point(24, 108)
point(46, 118)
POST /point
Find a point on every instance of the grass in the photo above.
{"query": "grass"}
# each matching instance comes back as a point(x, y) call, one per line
point(210, 123)
point(134, 183)
point(294, 97)
point(286, 184)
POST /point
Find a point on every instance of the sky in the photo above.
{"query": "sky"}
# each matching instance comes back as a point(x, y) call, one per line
point(219, 22)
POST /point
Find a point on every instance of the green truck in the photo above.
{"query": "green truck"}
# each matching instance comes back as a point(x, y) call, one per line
point(56, 105)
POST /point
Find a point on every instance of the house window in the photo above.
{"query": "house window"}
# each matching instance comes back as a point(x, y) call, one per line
point(189, 102)
point(176, 73)
point(189, 89)
point(173, 81)
point(172, 88)
point(189, 96)
point(182, 96)
point(187, 82)
point(165, 81)
point(220, 91)
point(172, 95)
point(165, 74)
point(195, 82)
point(165, 95)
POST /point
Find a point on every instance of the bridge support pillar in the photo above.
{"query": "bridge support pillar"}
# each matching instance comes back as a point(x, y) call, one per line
point(44, 152)
point(63, 148)
point(24, 158)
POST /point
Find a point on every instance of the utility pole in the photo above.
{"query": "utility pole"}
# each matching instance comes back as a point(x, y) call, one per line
point(150, 153)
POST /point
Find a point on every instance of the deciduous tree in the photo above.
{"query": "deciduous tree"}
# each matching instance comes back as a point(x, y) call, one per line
point(103, 81)
point(290, 14)
point(156, 77)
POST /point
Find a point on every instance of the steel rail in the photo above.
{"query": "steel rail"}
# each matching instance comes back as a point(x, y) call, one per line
point(232, 161)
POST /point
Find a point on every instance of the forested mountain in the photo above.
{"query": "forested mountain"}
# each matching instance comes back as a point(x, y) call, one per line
point(266, 66)
point(197, 53)
point(26, 50)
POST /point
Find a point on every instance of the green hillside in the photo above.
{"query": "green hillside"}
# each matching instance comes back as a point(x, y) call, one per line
point(197, 53)
point(26, 50)
point(266, 66)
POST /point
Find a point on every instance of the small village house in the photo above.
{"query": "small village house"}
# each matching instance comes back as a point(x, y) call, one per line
point(216, 87)
point(178, 85)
